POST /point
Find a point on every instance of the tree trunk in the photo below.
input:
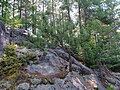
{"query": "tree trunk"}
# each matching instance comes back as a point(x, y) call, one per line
point(25, 18)
point(43, 6)
point(68, 9)
point(13, 8)
point(19, 7)
point(79, 10)
point(33, 18)
point(3, 9)
point(53, 14)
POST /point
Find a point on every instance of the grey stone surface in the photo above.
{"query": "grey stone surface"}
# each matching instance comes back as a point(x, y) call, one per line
point(23, 86)
point(19, 37)
point(6, 85)
point(45, 87)
point(36, 81)
point(61, 84)
point(24, 50)
point(2, 26)
point(43, 68)
point(4, 37)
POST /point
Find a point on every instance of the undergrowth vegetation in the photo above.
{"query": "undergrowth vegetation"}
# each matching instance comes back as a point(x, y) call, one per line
point(27, 59)
point(9, 64)
point(96, 42)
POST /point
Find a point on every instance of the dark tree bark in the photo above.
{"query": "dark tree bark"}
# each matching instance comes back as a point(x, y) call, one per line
point(33, 18)
point(3, 9)
point(79, 10)
point(68, 9)
point(19, 8)
point(53, 14)
point(13, 8)
point(25, 12)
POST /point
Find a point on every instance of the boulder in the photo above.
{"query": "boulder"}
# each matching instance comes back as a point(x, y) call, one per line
point(6, 85)
point(73, 81)
point(43, 68)
point(4, 37)
point(35, 81)
point(23, 86)
point(21, 38)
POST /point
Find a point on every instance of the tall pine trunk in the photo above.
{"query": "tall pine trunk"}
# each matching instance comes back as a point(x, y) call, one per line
point(19, 8)
point(79, 10)
point(69, 19)
point(13, 8)
point(33, 18)
point(53, 14)
point(3, 9)
point(25, 11)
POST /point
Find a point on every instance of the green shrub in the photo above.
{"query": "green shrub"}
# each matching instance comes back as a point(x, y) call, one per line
point(10, 50)
point(9, 64)
point(26, 59)
point(109, 88)
point(25, 43)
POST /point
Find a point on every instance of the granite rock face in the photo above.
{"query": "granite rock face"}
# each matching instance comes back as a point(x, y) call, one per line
point(51, 73)
point(4, 37)
point(20, 36)
point(23, 86)
point(6, 85)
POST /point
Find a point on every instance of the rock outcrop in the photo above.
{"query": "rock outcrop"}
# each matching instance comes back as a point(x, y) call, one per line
point(51, 72)
point(4, 37)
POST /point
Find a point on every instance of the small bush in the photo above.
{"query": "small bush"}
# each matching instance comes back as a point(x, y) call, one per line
point(25, 43)
point(9, 64)
point(27, 59)
point(109, 88)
